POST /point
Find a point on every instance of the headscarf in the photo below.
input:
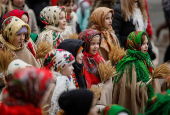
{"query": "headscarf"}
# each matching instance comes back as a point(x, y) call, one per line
point(166, 84)
point(27, 86)
point(90, 61)
point(50, 17)
point(134, 56)
point(18, 13)
point(159, 104)
point(80, 99)
point(58, 59)
point(98, 18)
point(114, 110)
point(10, 27)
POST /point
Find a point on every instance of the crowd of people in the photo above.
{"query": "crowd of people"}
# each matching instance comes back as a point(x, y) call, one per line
point(86, 57)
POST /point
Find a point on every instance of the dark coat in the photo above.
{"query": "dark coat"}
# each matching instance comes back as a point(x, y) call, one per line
point(72, 46)
point(123, 28)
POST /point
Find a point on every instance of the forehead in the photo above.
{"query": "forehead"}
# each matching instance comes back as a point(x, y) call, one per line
point(95, 39)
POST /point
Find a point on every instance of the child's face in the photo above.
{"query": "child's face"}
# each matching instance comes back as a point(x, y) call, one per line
point(68, 71)
point(69, 7)
point(108, 20)
point(93, 110)
point(79, 58)
point(4, 2)
point(18, 40)
point(62, 20)
point(94, 45)
point(144, 47)
point(24, 18)
point(18, 3)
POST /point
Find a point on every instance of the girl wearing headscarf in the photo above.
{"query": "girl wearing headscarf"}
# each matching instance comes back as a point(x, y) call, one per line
point(102, 21)
point(24, 17)
point(60, 63)
point(91, 60)
point(23, 95)
point(134, 70)
point(75, 47)
point(14, 34)
point(82, 99)
point(54, 17)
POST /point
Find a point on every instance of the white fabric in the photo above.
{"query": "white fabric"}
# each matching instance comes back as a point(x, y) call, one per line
point(71, 26)
point(138, 20)
point(16, 64)
point(122, 113)
point(62, 84)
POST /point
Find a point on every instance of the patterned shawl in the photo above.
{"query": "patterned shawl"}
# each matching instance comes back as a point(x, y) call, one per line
point(90, 61)
point(142, 61)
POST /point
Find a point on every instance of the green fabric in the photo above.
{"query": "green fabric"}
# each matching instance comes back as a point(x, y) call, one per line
point(114, 110)
point(134, 57)
point(159, 104)
point(34, 37)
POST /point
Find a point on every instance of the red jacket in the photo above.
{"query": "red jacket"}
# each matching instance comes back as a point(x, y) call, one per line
point(149, 27)
point(54, 2)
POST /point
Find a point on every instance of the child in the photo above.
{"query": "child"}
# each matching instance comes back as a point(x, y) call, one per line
point(60, 63)
point(82, 100)
point(91, 57)
point(115, 110)
point(134, 70)
point(23, 95)
point(75, 47)
point(102, 22)
point(24, 17)
point(54, 17)
point(14, 34)
point(72, 20)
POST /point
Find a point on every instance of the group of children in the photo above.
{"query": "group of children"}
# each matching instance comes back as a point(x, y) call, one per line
point(71, 64)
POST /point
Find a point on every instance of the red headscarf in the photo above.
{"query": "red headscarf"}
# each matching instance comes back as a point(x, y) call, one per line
point(90, 61)
point(18, 13)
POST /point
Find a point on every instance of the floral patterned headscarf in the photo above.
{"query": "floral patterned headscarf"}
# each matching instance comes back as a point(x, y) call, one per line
point(28, 86)
point(10, 27)
point(50, 17)
point(58, 59)
point(86, 36)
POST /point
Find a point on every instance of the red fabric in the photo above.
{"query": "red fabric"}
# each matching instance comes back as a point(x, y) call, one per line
point(90, 64)
point(19, 110)
point(149, 27)
point(30, 48)
point(54, 2)
point(18, 13)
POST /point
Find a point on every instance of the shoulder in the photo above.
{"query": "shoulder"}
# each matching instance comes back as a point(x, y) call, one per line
point(117, 8)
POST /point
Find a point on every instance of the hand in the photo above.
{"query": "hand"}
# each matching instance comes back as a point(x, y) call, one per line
point(3, 80)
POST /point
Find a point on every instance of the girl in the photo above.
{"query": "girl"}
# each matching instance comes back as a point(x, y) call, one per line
point(55, 19)
point(24, 17)
point(20, 4)
point(81, 99)
point(130, 15)
point(91, 56)
point(75, 47)
point(23, 95)
point(134, 70)
point(14, 34)
point(60, 63)
point(72, 20)
point(102, 20)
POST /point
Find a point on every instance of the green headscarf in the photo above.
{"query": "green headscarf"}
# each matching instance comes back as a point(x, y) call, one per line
point(159, 104)
point(134, 56)
point(114, 110)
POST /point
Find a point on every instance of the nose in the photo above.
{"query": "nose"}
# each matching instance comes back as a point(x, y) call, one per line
point(22, 37)
point(72, 68)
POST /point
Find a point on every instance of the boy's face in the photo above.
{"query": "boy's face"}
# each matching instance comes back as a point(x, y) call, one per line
point(94, 45)
point(69, 7)
point(144, 47)
point(68, 71)
point(19, 3)
point(79, 58)
point(62, 20)
point(18, 40)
